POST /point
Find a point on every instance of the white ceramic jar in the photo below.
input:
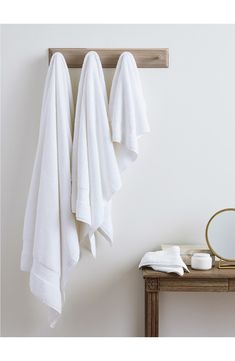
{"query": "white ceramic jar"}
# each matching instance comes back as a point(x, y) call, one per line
point(201, 261)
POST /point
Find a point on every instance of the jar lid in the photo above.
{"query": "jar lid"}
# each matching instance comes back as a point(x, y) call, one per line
point(203, 255)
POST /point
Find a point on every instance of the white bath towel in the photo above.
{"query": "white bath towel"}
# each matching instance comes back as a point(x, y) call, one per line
point(168, 260)
point(127, 110)
point(95, 173)
point(50, 242)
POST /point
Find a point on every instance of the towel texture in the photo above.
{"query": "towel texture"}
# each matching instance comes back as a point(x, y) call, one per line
point(127, 110)
point(95, 172)
point(50, 242)
point(168, 261)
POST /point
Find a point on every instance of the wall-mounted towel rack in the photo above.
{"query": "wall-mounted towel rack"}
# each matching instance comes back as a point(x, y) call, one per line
point(145, 58)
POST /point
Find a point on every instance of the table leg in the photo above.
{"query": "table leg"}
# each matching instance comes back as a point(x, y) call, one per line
point(151, 308)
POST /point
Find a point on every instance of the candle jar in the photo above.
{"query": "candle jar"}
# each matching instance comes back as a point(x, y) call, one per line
point(201, 261)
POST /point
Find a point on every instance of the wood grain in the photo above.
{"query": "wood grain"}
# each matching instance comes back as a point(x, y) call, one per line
point(151, 314)
point(193, 285)
point(232, 285)
point(145, 58)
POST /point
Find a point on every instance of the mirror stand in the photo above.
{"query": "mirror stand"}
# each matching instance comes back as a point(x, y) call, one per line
point(226, 264)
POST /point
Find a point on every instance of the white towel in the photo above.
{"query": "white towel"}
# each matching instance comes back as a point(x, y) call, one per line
point(50, 242)
point(168, 260)
point(127, 110)
point(95, 173)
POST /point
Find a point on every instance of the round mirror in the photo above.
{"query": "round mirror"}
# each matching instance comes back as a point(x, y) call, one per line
point(220, 234)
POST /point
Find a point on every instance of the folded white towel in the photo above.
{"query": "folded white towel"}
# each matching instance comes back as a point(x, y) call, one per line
point(50, 242)
point(127, 110)
point(168, 260)
point(95, 173)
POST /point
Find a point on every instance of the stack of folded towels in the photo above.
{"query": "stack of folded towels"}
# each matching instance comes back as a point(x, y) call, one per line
point(168, 260)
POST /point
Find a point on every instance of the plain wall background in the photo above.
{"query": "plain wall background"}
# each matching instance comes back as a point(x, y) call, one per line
point(185, 172)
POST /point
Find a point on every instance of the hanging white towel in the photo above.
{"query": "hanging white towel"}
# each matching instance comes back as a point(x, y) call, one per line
point(50, 242)
point(95, 173)
point(168, 260)
point(127, 110)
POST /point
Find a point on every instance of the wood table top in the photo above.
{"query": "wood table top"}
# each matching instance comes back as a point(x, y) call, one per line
point(215, 272)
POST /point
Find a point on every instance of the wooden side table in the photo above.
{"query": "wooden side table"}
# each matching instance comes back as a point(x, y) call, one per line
point(214, 280)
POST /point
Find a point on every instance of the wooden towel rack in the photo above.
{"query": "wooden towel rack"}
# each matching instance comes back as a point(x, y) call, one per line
point(145, 58)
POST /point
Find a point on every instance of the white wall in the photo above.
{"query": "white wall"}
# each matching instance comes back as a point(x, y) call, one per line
point(185, 172)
